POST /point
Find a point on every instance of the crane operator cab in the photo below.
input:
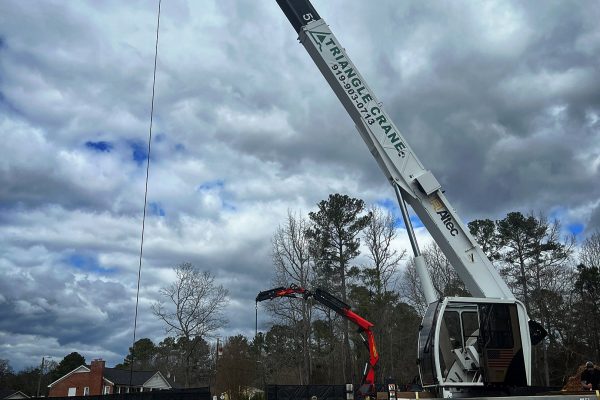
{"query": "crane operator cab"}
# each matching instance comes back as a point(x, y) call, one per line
point(467, 342)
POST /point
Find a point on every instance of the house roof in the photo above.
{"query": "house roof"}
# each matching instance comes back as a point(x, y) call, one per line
point(6, 393)
point(121, 376)
point(81, 368)
point(118, 376)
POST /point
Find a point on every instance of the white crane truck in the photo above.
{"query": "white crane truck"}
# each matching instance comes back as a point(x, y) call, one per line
point(467, 346)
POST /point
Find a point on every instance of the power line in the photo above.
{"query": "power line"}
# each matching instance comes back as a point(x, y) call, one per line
point(137, 295)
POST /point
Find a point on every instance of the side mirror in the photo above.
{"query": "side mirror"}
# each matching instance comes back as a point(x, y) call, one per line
point(537, 333)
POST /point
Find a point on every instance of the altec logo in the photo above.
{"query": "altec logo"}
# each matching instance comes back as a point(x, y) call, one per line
point(444, 216)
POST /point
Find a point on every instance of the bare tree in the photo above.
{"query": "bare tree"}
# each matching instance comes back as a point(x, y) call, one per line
point(193, 309)
point(291, 255)
point(590, 251)
point(379, 277)
point(379, 236)
point(411, 289)
point(293, 265)
point(5, 371)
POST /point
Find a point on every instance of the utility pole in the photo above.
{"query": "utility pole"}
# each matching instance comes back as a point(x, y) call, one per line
point(219, 352)
point(40, 378)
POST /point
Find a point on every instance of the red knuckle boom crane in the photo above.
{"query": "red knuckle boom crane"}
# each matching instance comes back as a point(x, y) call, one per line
point(330, 301)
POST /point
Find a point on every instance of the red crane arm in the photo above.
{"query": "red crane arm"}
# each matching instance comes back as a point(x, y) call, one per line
point(332, 302)
point(291, 291)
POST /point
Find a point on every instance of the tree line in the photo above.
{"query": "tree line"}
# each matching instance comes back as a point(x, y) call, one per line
point(322, 251)
point(33, 380)
point(351, 251)
point(556, 279)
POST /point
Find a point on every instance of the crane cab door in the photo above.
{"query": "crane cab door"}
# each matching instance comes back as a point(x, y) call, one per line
point(472, 342)
point(500, 345)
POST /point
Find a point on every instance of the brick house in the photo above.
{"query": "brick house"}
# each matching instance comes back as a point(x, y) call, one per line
point(96, 379)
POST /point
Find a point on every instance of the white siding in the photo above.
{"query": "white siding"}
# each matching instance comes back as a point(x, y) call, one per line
point(156, 382)
point(17, 395)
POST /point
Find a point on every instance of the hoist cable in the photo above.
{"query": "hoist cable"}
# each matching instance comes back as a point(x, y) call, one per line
point(137, 295)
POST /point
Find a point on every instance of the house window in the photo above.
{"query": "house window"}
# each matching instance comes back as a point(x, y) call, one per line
point(72, 392)
point(106, 389)
point(86, 391)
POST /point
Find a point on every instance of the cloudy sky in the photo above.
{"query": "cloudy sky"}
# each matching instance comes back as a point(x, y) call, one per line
point(501, 100)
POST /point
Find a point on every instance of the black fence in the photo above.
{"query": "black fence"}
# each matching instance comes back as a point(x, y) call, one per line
point(173, 394)
point(306, 392)
point(326, 392)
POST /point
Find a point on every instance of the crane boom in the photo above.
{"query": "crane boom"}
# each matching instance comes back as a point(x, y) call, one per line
point(394, 156)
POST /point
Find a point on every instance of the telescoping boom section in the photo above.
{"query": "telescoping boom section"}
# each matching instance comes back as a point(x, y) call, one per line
point(396, 158)
point(480, 358)
point(367, 387)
